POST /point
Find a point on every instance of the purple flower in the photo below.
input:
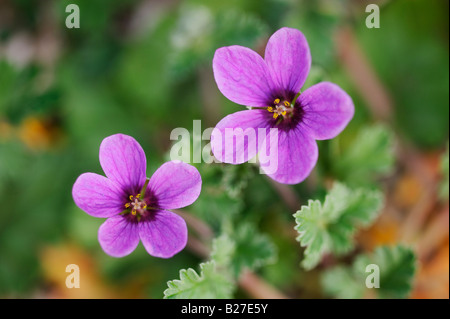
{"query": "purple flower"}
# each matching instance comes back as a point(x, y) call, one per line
point(271, 87)
point(136, 207)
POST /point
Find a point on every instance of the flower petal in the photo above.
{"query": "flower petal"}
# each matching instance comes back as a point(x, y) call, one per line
point(289, 59)
point(118, 236)
point(163, 235)
point(328, 110)
point(295, 159)
point(242, 76)
point(98, 196)
point(175, 185)
point(123, 161)
point(236, 138)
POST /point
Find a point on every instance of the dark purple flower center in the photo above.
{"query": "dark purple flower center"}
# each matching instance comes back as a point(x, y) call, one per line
point(140, 206)
point(284, 112)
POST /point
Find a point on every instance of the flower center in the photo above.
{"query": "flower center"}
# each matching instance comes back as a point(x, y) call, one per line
point(137, 205)
point(281, 108)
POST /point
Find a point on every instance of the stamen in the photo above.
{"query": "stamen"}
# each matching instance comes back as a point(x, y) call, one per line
point(296, 97)
point(144, 188)
point(137, 205)
point(281, 107)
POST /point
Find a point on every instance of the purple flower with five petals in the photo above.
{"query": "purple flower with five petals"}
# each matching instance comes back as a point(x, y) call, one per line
point(271, 87)
point(136, 207)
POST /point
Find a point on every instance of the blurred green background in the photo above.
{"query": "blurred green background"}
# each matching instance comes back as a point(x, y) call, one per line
point(143, 68)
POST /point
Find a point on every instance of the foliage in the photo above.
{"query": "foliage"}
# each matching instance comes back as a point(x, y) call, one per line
point(329, 227)
point(369, 156)
point(143, 68)
point(396, 264)
point(209, 284)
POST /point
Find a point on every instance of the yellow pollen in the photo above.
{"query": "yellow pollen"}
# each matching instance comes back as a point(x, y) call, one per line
point(286, 103)
point(127, 205)
point(283, 113)
point(270, 109)
point(133, 212)
point(276, 101)
point(275, 115)
point(138, 195)
point(144, 207)
point(131, 197)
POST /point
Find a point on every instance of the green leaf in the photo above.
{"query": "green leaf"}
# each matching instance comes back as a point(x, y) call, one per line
point(396, 266)
point(252, 249)
point(235, 179)
point(443, 190)
point(368, 157)
point(329, 227)
point(223, 249)
point(215, 279)
point(216, 206)
point(312, 233)
point(340, 283)
point(210, 284)
point(242, 248)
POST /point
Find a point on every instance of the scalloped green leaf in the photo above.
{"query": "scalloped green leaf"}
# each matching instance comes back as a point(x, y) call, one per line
point(340, 283)
point(330, 227)
point(252, 249)
point(223, 249)
point(209, 284)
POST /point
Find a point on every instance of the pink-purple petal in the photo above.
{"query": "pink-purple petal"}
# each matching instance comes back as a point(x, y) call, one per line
point(289, 59)
point(123, 161)
point(296, 157)
point(98, 196)
point(175, 185)
point(236, 138)
point(327, 110)
point(242, 76)
point(118, 236)
point(164, 234)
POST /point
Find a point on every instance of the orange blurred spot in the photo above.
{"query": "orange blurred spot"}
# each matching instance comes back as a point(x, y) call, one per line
point(54, 261)
point(433, 276)
point(408, 191)
point(37, 134)
point(385, 231)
